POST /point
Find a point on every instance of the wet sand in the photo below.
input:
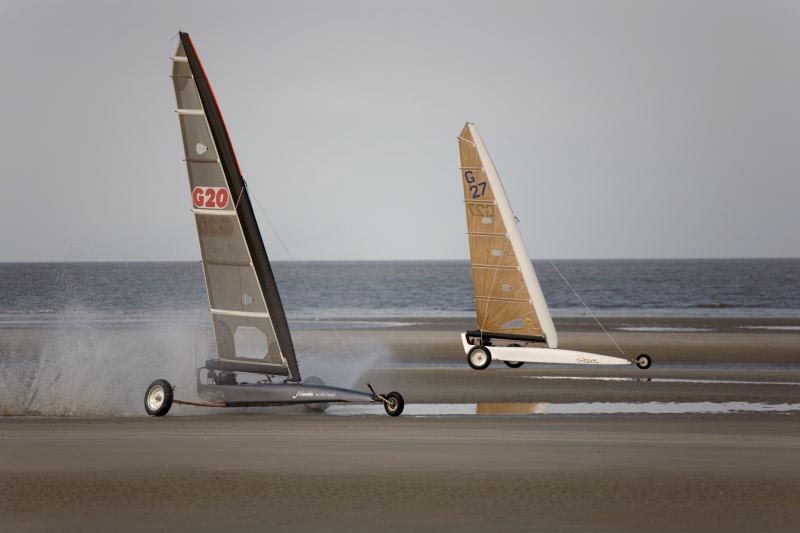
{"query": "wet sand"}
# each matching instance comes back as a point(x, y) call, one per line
point(242, 472)
point(290, 470)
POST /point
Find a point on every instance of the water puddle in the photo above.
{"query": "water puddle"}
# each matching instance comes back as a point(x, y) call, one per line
point(663, 329)
point(665, 380)
point(595, 408)
point(772, 328)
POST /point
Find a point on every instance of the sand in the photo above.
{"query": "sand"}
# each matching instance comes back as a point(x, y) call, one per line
point(294, 471)
point(726, 472)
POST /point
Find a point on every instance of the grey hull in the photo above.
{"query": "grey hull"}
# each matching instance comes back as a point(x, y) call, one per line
point(243, 395)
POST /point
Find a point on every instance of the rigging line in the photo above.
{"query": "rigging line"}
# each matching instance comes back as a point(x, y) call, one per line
point(336, 333)
point(578, 296)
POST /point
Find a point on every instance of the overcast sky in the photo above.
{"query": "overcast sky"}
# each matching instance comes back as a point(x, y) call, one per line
point(620, 129)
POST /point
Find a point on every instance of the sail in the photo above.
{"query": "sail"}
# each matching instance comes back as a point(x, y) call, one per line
point(508, 298)
point(246, 310)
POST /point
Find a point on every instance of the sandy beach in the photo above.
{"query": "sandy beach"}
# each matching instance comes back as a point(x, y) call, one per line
point(297, 471)
point(241, 472)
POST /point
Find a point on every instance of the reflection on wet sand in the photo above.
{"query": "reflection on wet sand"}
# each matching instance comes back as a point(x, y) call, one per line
point(589, 408)
point(510, 408)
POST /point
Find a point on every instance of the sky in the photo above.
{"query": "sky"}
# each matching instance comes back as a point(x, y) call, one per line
point(621, 129)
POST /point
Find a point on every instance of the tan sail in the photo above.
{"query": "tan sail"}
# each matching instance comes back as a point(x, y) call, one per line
point(503, 300)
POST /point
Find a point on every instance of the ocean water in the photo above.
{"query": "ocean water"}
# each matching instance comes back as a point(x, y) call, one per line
point(33, 293)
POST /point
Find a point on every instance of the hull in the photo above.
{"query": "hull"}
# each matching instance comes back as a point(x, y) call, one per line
point(523, 354)
point(243, 395)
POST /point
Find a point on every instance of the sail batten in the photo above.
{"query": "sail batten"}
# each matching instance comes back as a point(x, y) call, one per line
point(508, 298)
point(242, 294)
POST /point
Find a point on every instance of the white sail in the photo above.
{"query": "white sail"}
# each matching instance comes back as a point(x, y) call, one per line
point(508, 297)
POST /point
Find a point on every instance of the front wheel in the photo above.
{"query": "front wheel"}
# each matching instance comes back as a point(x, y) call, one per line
point(479, 357)
point(158, 398)
point(644, 361)
point(394, 404)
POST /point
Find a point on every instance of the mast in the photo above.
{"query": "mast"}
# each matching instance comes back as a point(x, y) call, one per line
point(240, 198)
point(508, 297)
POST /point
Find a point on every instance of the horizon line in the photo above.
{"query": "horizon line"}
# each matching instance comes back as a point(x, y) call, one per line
point(465, 260)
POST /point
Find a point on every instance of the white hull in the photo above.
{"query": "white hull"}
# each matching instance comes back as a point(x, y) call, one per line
point(524, 354)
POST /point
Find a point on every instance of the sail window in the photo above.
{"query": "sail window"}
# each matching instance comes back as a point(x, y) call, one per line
point(497, 253)
point(506, 287)
point(487, 220)
point(513, 324)
point(250, 342)
point(200, 148)
point(247, 299)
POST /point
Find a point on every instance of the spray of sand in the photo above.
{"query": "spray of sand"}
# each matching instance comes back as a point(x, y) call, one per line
point(80, 366)
point(341, 358)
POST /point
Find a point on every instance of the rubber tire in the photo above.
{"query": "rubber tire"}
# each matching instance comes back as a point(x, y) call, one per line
point(315, 407)
point(514, 364)
point(399, 404)
point(168, 397)
point(488, 358)
point(644, 361)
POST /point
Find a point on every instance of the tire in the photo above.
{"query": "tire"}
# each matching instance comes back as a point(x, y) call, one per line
point(479, 358)
point(315, 407)
point(514, 364)
point(644, 361)
point(158, 398)
point(394, 404)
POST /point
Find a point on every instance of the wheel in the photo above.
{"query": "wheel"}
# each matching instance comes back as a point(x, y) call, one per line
point(158, 398)
point(315, 407)
point(644, 361)
point(479, 357)
point(513, 364)
point(394, 403)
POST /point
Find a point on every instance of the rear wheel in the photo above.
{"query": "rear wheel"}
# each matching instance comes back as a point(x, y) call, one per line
point(158, 398)
point(394, 404)
point(479, 358)
point(513, 364)
point(644, 361)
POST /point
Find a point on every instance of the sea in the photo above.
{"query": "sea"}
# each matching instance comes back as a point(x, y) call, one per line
point(38, 293)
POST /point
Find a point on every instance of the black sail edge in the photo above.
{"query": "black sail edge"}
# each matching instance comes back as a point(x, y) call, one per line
point(244, 209)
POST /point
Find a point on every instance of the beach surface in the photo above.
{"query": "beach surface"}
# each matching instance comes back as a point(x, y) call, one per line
point(208, 469)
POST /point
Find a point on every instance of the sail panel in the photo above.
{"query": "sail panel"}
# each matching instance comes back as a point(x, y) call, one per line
point(499, 283)
point(206, 174)
point(234, 288)
point(226, 328)
point(221, 241)
point(197, 141)
point(501, 316)
point(185, 90)
point(234, 261)
point(491, 250)
point(503, 288)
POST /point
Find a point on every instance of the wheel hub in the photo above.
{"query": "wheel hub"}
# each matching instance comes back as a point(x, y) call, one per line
point(156, 398)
